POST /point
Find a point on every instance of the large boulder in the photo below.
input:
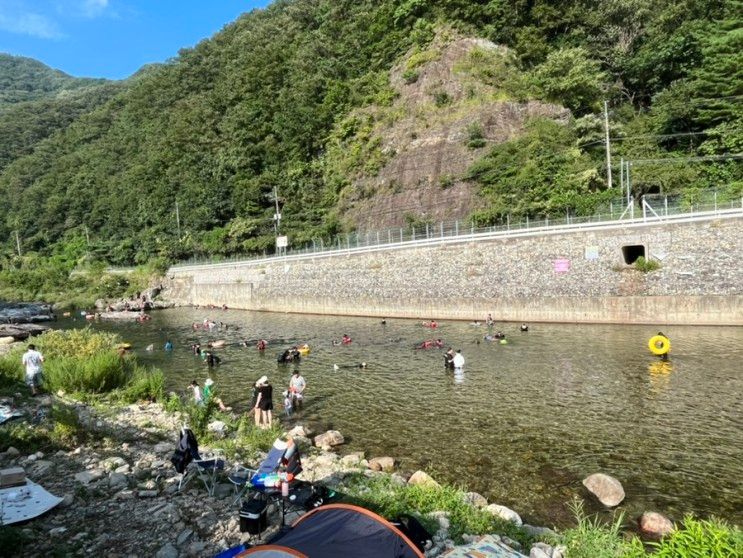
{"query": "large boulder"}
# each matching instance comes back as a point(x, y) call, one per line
point(654, 525)
point(386, 464)
point(505, 513)
point(606, 488)
point(419, 478)
point(329, 439)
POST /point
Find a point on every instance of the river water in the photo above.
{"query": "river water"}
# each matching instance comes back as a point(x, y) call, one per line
point(523, 423)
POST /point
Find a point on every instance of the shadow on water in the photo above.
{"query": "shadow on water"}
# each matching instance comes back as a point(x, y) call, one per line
point(522, 424)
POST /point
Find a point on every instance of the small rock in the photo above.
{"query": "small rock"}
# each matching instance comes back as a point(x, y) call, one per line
point(398, 480)
point(183, 537)
point(86, 477)
point(163, 447)
point(11, 452)
point(57, 531)
point(300, 431)
point(167, 551)
point(147, 493)
point(386, 464)
point(218, 428)
point(421, 478)
point(536, 532)
point(41, 468)
point(559, 551)
point(606, 488)
point(537, 552)
point(475, 499)
point(329, 439)
point(654, 525)
point(505, 513)
point(124, 495)
point(113, 463)
point(122, 469)
point(117, 481)
point(67, 501)
point(516, 545)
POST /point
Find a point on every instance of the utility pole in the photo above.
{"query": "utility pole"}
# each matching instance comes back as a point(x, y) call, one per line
point(18, 243)
point(178, 220)
point(608, 145)
point(277, 215)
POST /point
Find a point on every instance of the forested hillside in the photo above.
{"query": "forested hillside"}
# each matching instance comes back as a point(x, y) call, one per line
point(297, 97)
point(24, 79)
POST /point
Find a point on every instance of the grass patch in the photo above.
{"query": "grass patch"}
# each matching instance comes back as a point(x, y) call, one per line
point(591, 538)
point(384, 496)
point(645, 265)
point(711, 538)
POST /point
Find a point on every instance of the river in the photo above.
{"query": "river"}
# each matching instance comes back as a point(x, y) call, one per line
point(523, 423)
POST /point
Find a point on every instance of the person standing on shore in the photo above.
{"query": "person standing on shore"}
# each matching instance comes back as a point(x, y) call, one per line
point(264, 403)
point(32, 360)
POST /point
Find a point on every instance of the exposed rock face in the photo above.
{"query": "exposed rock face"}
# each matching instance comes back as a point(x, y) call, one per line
point(425, 148)
point(654, 525)
point(19, 332)
point(606, 488)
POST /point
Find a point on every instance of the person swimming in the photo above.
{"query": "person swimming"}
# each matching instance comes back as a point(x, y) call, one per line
point(524, 327)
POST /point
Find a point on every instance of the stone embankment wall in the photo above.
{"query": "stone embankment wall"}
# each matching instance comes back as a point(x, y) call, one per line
point(578, 276)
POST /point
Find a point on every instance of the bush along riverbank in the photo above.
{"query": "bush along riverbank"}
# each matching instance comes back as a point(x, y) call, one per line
point(103, 435)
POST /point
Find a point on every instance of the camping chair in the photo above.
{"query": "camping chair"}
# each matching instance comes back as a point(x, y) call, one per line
point(265, 482)
point(189, 463)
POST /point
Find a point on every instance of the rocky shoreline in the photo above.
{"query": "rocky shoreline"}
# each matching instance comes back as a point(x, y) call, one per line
point(121, 493)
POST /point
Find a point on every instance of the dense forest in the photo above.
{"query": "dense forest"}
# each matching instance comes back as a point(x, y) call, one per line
point(184, 159)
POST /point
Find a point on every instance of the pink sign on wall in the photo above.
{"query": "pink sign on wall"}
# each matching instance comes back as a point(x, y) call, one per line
point(561, 265)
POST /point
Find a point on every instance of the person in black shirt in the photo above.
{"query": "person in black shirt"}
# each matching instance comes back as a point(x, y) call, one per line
point(264, 403)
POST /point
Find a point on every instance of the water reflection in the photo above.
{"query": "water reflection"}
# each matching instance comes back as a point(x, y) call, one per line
point(523, 423)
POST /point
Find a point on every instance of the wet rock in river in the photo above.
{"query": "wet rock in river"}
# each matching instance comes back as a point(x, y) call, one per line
point(606, 488)
point(654, 525)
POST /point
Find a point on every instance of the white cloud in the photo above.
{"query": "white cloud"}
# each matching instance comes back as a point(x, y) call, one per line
point(23, 22)
point(93, 8)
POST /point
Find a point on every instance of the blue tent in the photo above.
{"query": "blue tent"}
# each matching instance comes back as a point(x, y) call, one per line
point(339, 531)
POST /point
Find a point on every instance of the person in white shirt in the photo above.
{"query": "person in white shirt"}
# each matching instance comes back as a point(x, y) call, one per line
point(458, 359)
point(32, 360)
point(197, 396)
point(297, 386)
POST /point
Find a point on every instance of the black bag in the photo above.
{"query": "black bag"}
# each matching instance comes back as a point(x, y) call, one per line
point(180, 460)
point(413, 529)
point(253, 516)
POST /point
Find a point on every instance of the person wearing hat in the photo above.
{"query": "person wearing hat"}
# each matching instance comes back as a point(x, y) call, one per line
point(207, 393)
point(263, 403)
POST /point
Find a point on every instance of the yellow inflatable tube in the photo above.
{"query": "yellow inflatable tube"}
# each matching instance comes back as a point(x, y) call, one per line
point(659, 345)
point(304, 350)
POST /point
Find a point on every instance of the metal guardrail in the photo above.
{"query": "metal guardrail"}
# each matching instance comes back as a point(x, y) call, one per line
point(630, 216)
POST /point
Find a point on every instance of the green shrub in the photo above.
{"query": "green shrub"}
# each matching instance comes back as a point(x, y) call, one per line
point(11, 370)
point(645, 265)
point(98, 373)
point(410, 76)
point(144, 384)
point(75, 343)
point(593, 539)
point(712, 538)
point(442, 98)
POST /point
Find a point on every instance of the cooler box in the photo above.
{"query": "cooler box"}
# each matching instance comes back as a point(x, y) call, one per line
point(253, 517)
point(14, 476)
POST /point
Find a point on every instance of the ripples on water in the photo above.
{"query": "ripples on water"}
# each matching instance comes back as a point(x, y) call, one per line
point(523, 424)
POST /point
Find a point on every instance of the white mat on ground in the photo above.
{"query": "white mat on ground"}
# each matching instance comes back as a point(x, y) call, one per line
point(485, 547)
point(21, 503)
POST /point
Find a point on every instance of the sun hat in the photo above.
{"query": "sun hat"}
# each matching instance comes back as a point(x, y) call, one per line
point(262, 380)
point(209, 382)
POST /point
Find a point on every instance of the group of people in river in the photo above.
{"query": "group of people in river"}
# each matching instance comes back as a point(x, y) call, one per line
point(262, 401)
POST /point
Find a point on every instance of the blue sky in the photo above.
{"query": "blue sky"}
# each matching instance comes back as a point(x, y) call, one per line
point(111, 38)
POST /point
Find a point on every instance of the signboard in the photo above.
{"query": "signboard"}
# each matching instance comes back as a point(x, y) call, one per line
point(562, 265)
point(282, 241)
point(592, 252)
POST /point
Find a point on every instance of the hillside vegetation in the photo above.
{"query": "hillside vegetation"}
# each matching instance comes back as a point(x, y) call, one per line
point(315, 98)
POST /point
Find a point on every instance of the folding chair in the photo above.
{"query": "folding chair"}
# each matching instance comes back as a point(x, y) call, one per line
point(189, 463)
point(282, 464)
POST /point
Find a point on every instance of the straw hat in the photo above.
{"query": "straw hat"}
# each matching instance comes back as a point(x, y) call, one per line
point(209, 382)
point(262, 381)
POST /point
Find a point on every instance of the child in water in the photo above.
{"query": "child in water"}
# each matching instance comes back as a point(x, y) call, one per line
point(287, 403)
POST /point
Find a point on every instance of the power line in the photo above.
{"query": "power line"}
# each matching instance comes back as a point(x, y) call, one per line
point(735, 156)
point(644, 136)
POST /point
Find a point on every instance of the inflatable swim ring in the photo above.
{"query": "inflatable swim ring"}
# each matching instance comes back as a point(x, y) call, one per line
point(659, 345)
point(304, 350)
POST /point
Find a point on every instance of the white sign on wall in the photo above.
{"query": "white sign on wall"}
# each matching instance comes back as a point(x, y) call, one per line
point(282, 241)
point(592, 253)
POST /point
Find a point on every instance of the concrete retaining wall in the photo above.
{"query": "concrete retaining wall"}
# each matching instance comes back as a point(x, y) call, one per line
point(578, 276)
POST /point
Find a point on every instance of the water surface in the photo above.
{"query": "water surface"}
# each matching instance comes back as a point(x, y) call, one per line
point(524, 422)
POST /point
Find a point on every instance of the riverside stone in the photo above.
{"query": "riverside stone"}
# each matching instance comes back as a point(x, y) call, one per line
point(537, 552)
point(218, 428)
point(505, 513)
point(654, 525)
point(167, 551)
point(86, 477)
point(420, 478)
point(329, 439)
point(117, 481)
point(475, 499)
point(386, 464)
point(606, 488)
